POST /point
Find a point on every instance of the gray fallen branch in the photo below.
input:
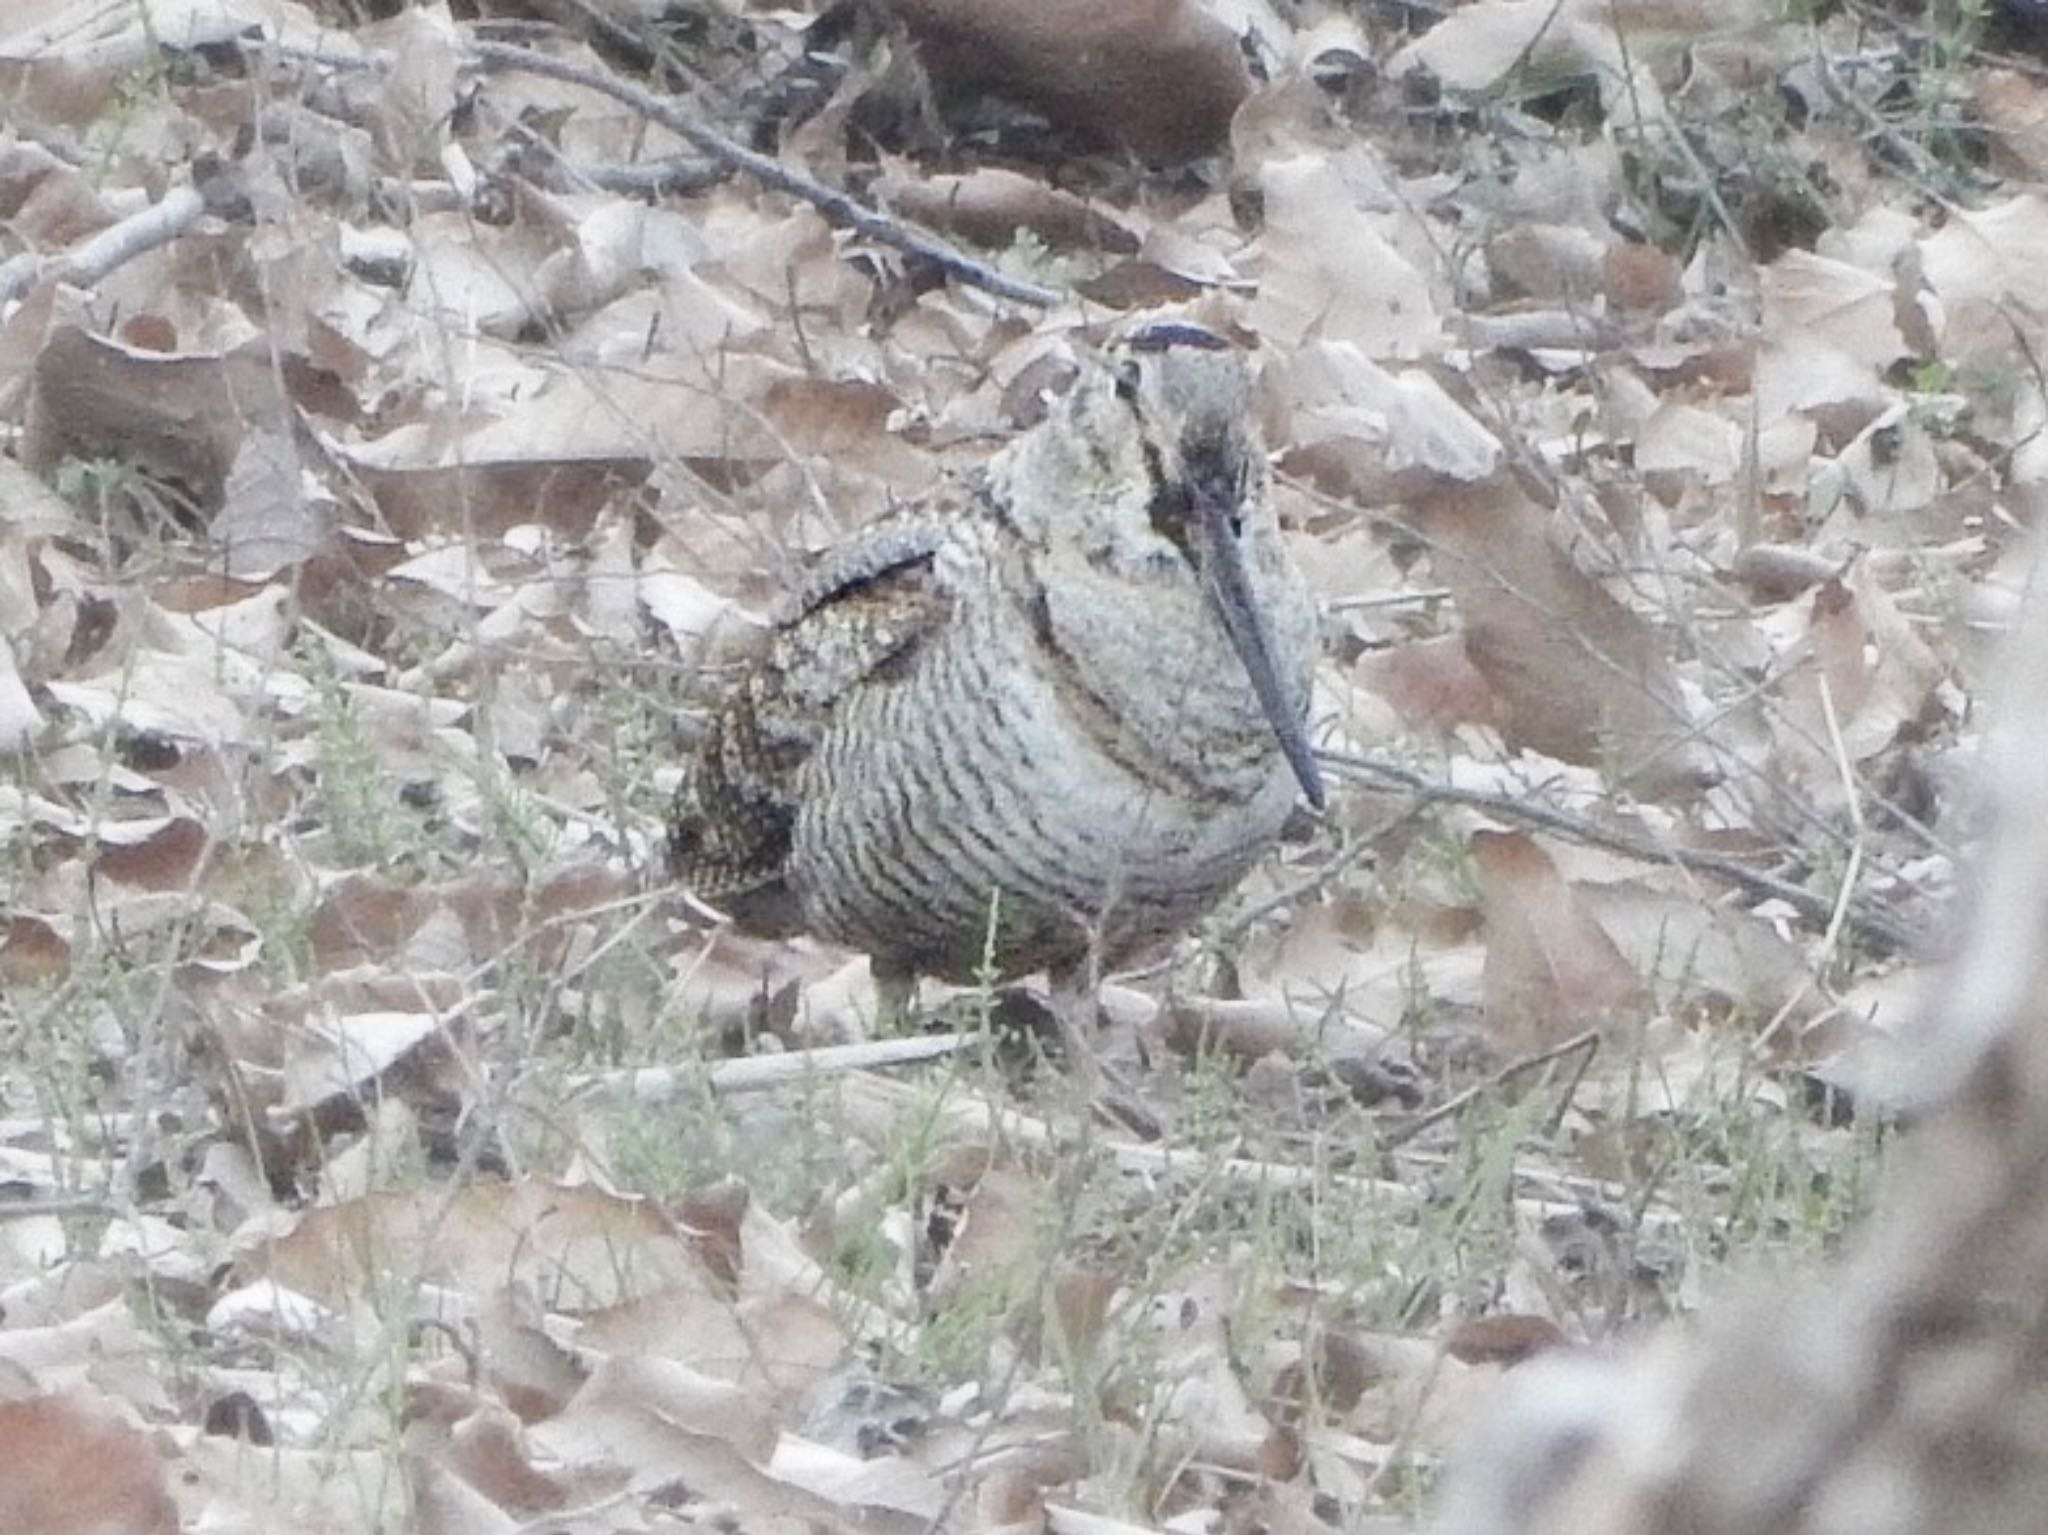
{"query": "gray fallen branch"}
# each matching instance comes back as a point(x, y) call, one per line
point(835, 205)
point(86, 263)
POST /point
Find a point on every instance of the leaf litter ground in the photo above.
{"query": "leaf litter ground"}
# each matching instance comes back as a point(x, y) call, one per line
point(390, 484)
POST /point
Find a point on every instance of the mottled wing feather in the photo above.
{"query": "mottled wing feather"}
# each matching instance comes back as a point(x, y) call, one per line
point(878, 551)
point(861, 613)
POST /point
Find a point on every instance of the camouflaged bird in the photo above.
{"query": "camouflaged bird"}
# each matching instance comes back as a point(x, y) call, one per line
point(1042, 721)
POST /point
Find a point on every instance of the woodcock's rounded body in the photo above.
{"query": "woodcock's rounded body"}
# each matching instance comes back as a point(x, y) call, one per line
point(1054, 719)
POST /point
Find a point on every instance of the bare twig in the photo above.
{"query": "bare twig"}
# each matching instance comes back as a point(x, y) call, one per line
point(1587, 1040)
point(753, 1072)
point(1877, 926)
point(834, 204)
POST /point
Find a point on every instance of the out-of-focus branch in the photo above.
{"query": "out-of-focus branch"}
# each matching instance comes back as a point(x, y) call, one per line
point(1903, 1392)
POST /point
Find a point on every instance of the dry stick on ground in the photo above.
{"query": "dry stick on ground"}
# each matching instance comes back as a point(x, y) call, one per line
point(1900, 1393)
point(93, 258)
point(835, 205)
point(753, 1073)
point(1877, 926)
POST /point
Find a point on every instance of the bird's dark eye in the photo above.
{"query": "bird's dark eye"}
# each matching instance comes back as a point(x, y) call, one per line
point(1127, 383)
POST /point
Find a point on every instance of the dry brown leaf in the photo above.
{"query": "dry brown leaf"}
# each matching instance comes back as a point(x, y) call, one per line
point(89, 1346)
point(443, 1502)
point(268, 521)
point(1692, 441)
point(24, 165)
point(1835, 304)
point(160, 854)
point(872, 1486)
point(1160, 78)
point(992, 206)
point(323, 1491)
point(182, 416)
point(1880, 678)
point(343, 1056)
point(1551, 968)
point(487, 1449)
point(660, 1422)
point(362, 919)
point(787, 1344)
point(1579, 676)
point(1139, 285)
point(2014, 107)
point(999, 1227)
point(735, 983)
point(1478, 45)
point(1641, 280)
point(1546, 261)
point(67, 58)
point(1362, 431)
point(1994, 256)
point(32, 951)
point(1415, 1392)
point(1206, 1404)
point(1378, 967)
point(1503, 1338)
point(1433, 685)
point(1332, 270)
point(72, 1468)
point(578, 1249)
point(58, 211)
point(1700, 955)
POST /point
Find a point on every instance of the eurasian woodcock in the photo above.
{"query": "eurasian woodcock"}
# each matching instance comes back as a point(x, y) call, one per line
point(1039, 722)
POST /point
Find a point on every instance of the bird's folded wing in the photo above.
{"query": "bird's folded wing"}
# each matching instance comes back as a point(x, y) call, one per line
point(859, 618)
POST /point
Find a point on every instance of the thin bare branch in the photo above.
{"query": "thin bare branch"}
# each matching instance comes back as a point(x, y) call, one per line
point(835, 205)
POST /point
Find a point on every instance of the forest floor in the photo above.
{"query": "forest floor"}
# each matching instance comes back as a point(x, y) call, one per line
point(408, 421)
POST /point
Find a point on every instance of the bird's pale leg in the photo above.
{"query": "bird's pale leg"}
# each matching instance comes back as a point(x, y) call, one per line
point(895, 996)
point(1072, 991)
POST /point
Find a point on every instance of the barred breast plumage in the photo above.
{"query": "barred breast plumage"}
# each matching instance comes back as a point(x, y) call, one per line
point(1050, 717)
